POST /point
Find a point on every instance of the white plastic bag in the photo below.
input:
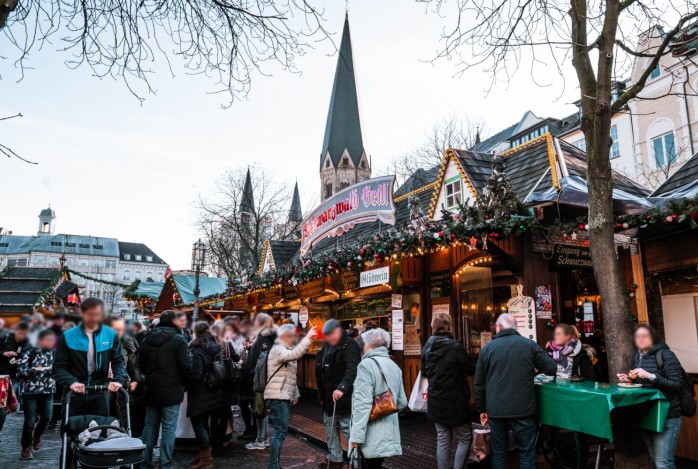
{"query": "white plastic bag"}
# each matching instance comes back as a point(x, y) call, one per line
point(419, 396)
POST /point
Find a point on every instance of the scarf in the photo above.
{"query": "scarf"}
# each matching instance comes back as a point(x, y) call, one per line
point(561, 354)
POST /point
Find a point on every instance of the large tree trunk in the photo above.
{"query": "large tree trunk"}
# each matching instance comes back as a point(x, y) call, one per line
point(596, 125)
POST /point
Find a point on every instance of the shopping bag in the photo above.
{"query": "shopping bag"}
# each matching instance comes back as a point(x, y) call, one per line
point(419, 396)
point(481, 446)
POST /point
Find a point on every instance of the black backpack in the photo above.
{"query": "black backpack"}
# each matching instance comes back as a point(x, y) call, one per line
point(687, 395)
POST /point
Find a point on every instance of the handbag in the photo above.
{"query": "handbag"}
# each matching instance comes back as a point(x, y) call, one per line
point(419, 395)
point(383, 403)
point(225, 370)
point(357, 459)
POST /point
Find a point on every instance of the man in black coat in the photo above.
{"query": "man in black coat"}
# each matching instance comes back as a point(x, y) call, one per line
point(505, 393)
point(166, 364)
point(335, 371)
point(447, 365)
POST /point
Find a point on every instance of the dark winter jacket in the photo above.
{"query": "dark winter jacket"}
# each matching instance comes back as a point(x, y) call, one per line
point(263, 343)
point(335, 369)
point(166, 364)
point(36, 372)
point(133, 369)
point(504, 375)
point(70, 364)
point(201, 399)
point(446, 365)
point(669, 378)
point(8, 343)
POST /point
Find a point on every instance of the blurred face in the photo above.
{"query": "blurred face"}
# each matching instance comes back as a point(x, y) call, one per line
point(93, 317)
point(20, 335)
point(48, 342)
point(181, 322)
point(289, 339)
point(58, 321)
point(560, 337)
point(334, 337)
point(643, 339)
point(230, 334)
point(119, 327)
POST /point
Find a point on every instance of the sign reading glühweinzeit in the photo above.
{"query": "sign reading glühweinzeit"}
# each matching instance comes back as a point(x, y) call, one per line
point(364, 202)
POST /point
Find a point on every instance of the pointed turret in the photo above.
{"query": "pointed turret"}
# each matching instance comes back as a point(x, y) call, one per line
point(247, 201)
point(343, 145)
point(295, 214)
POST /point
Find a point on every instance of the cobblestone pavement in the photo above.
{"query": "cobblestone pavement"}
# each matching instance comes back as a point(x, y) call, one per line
point(297, 453)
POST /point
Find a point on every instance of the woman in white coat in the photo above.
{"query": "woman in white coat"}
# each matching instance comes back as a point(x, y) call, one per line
point(376, 374)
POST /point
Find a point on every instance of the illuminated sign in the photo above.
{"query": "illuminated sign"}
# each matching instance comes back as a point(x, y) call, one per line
point(365, 202)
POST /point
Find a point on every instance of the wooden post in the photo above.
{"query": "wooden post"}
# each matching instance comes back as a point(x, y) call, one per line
point(639, 280)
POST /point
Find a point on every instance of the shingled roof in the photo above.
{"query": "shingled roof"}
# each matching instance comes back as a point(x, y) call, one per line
point(683, 183)
point(21, 288)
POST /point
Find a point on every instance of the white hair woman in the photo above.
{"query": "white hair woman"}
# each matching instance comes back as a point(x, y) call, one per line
point(376, 374)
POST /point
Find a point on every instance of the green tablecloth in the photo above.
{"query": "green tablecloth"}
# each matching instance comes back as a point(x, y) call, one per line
point(586, 407)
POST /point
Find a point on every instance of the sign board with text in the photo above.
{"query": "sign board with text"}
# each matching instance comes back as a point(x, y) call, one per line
point(523, 309)
point(374, 277)
point(365, 202)
point(567, 256)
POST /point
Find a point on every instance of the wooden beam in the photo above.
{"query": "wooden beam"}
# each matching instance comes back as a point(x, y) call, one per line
point(640, 293)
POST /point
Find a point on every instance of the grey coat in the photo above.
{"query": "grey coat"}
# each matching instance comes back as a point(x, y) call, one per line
point(379, 439)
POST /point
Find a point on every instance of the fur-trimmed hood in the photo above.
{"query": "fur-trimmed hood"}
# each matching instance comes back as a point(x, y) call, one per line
point(268, 331)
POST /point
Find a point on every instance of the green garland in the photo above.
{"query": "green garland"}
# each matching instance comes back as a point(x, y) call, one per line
point(48, 290)
point(106, 282)
point(496, 215)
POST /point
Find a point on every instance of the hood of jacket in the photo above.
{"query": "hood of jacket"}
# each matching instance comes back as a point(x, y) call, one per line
point(161, 334)
point(657, 348)
point(267, 331)
point(440, 345)
point(376, 352)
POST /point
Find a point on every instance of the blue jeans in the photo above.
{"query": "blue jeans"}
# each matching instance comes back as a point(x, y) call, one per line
point(525, 436)
point(662, 446)
point(341, 425)
point(280, 415)
point(36, 405)
point(154, 417)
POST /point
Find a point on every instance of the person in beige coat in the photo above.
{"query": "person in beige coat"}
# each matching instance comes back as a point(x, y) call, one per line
point(282, 390)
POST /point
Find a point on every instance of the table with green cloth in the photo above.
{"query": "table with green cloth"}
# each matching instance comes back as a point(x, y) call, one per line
point(586, 406)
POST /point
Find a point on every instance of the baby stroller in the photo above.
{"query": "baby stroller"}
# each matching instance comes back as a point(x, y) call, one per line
point(98, 451)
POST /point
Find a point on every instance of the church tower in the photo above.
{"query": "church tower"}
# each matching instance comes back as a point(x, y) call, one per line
point(343, 160)
point(247, 220)
point(46, 225)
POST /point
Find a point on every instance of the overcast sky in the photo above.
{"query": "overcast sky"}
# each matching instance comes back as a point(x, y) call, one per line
point(110, 166)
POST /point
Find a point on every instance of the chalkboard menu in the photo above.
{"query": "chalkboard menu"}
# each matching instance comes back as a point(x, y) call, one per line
point(440, 284)
point(312, 289)
point(345, 281)
point(289, 293)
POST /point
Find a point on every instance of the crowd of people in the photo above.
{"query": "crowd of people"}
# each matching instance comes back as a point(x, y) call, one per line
point(170, 365)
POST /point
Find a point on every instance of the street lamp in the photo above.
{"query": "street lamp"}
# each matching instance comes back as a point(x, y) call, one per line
point(198, 258)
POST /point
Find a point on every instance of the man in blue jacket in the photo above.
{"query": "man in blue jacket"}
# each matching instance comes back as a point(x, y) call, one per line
point(505, 393)
point(84, 356)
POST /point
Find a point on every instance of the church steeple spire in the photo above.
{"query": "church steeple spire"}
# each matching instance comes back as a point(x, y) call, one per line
point(295, 214)
point(247, 201)
point(343, 160)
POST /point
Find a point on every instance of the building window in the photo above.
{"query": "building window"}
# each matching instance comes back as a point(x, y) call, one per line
point(126, 275)
point(363, 164)
point(16, 262)
point(664, 150)
point(149, 258)
point(97, 246)
point(454, 194)
point(138, 274)
point(582, 145)
point(345, 161)
point(84, 246)
point(39, 260)
point(149, 277)
point(97, 263)
point(127, 257)
point(328, 190)
point(56, 243)
point(83, 263)
point(344, 185)
point(45, 227)
point(615, 146)
point(139, 257)
point(655, 72)
point(327, 163)
point(110, 264)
